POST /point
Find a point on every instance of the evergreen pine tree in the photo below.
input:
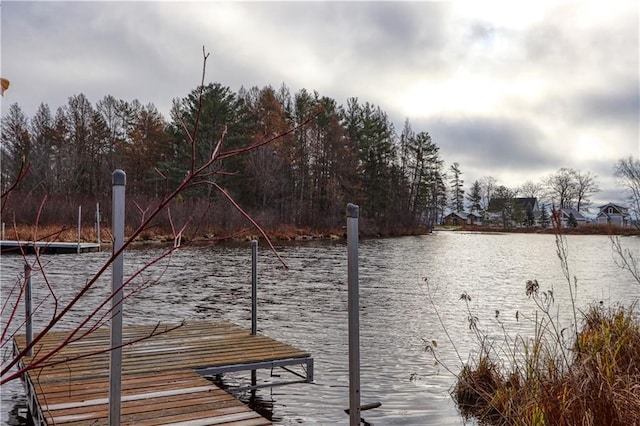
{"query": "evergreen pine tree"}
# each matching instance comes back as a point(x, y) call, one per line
point(544, 216)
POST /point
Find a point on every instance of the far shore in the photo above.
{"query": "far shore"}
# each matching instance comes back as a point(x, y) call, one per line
point(587, 229)
point(62, 233)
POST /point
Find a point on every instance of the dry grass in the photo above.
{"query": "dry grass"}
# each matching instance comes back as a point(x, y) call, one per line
point(157, 233)
point(54, 233)
point(600, 385)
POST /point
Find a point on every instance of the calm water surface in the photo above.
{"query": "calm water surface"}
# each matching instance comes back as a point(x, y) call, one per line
point(305, 305)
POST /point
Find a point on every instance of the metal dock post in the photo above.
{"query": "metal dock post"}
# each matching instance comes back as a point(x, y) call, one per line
point(27, 307)
point(354, 314)
point(119, 179)
point(254, 298)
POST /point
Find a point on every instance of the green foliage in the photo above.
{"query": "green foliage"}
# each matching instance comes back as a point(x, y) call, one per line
point(475, 197)
point(545, 220)
point(572, 220)
point(457, 191)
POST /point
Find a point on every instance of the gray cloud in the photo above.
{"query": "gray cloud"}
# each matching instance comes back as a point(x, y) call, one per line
point(492, 143)
point(620, 105)
point(565, 73)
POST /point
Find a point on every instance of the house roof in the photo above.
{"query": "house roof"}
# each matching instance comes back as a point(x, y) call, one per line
point(576, 214)
point(622, 210)
point(461, 215)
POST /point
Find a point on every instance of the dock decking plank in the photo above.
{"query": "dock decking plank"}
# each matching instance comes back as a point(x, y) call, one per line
point(159, 382)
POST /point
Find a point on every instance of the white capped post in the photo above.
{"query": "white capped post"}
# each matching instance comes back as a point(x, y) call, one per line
point(354, 314)
point(119, 180)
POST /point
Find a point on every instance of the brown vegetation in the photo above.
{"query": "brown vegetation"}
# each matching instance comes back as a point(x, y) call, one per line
point(587, 373)
point(600, 386)
point(57, 221)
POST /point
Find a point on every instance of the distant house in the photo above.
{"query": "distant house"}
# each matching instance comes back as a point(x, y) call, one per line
point(565, 218)
point(614, 214)
point(474, 219)
point(462, 218)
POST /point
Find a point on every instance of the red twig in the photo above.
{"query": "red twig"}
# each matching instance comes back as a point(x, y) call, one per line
point(250, 219)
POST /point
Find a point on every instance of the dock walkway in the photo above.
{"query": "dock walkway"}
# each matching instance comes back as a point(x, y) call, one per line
point(162, 380)
point(49, 247)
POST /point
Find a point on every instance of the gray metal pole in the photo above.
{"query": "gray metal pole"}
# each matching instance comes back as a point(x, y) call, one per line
point(254, 287)
point(119, 181)
point(27, 306)
point(79, 222)
point(98, 224)
point(254, 298)
point(354, 314)
point(2, 231)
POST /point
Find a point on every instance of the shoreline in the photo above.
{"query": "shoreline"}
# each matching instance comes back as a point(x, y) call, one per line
point(289, 234)
point(579, 230)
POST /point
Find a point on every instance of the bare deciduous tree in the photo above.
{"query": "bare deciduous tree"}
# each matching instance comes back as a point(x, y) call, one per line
point(530, 189)
point(627, 170)
point(562, 188)
point(586, 185)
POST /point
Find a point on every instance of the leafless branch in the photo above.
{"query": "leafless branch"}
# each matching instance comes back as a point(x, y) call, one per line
point(197, 175)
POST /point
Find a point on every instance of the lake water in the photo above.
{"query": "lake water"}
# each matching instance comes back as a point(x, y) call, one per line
point(306, 306)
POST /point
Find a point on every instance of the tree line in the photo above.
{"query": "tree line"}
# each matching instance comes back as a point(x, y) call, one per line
point(345, 153)
point(567, 189)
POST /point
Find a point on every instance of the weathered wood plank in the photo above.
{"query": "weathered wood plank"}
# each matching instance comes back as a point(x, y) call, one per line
point(159, 384)
point(180, 348)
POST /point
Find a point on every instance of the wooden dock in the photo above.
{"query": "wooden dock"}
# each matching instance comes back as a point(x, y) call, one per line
point(162, 377)
point(49, 247)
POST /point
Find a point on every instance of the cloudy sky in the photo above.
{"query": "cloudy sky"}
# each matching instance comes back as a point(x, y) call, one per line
point(513, 90)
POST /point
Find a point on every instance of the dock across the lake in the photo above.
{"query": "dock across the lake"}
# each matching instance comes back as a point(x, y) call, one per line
point(50, 247)
point(162, 376)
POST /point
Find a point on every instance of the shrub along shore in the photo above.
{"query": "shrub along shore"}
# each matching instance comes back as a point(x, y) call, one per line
point(598, 383)
point(586, 373)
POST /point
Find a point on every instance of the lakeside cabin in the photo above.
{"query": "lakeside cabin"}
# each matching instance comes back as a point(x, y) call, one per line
point(462, 218)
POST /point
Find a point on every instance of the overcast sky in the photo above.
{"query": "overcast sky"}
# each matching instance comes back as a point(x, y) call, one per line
point(514, 89)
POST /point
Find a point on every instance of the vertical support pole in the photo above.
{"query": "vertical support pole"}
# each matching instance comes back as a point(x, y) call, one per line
point(27, 306)
point(254, 297)
point(79, 222)
point(354, 314)
point(119, 179)
point(98, 224)
point(2, 231)
point(254, 287)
